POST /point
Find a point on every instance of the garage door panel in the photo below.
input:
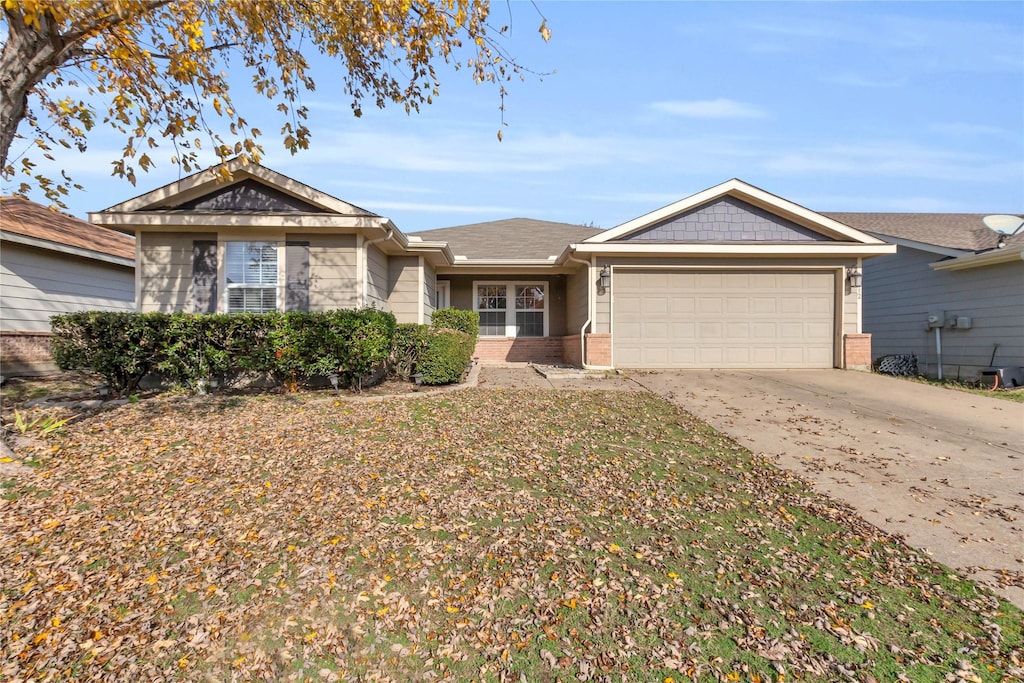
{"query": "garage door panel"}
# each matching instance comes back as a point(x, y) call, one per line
point(683, 331)
point(757, 319)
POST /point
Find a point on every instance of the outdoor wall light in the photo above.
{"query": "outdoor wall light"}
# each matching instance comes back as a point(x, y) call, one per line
point(854, 277)
point(604, 282)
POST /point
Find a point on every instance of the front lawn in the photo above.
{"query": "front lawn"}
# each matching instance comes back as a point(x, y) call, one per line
point(479, 535)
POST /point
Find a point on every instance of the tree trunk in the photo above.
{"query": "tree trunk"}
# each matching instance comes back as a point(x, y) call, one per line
point(28, 57)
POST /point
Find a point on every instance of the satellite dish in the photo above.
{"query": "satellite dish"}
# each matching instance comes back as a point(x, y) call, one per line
point(1003, 224)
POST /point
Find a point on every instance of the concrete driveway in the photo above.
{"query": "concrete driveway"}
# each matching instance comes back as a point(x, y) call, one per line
point(942, 468)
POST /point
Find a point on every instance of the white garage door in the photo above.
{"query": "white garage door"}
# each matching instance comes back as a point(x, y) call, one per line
point(700, 319)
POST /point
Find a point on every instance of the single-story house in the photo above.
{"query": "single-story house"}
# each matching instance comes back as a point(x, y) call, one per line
point(949, 288)
point(731, 277)
point(53, 263)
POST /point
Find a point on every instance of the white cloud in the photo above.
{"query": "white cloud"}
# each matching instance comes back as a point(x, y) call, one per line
point(858, 81)
point(963, 129)
point(388, 205)
point(909, 204)
point(659, 198)
point(720, 108)
point(893, 158)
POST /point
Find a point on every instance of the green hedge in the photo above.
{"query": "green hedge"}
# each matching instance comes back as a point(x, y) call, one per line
point(454, 319)
point(445, 356)
point(190, 349)
point(120, 347)
point(440, 353)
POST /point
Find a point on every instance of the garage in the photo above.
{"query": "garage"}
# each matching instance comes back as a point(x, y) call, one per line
point(672, 318)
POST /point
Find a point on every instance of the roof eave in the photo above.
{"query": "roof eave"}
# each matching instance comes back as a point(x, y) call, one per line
point(49, 245)
point(992, 257)
point(738, 250)
point(129, 221)
point(923, 246)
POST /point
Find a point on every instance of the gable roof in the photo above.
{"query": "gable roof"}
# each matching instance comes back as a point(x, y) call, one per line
point(509, 239)
point(750, 194)
point(51, 229)
point(962, 231)
point(182, 194)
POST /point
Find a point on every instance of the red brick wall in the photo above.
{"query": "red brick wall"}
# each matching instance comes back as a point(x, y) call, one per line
point(857, 351)
point(571, 351)
point(520, 350)
point(25, 353)
point(599, 350)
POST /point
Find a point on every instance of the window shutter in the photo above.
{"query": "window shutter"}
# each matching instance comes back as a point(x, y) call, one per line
point(296, 287)
point(204, 276)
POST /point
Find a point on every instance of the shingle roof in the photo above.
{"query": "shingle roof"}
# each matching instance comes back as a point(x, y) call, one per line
point(951, 230)
point(512, 238)
point(30, 219)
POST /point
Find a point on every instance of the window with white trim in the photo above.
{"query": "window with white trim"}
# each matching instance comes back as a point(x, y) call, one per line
point(252, 276)
point(511, 309)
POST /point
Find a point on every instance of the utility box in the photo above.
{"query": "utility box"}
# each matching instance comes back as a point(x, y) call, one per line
point(936, 319)
point(962, 322)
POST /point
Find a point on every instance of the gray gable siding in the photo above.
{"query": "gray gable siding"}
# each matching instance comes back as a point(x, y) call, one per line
point(251, 196)
point(726, 220)
point(901, 290)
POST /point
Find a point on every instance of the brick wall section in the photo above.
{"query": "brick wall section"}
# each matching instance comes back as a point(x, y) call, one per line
point(599, 350)
point(857, 351)
point(571, 351)
point(25, 353)
point(519, 350)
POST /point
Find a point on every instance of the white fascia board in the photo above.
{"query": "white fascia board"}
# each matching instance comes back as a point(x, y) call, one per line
point(123, 221)
point(741, 250)
point(986, 258)
point(923, 246)
point(66, 249)
point(746, 192)
point(210, 177)
point(498, 263)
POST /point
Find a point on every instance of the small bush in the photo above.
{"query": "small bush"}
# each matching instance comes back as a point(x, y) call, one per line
point(454, 319)
point(410, 340)
point(121, 347)
point(445, 356)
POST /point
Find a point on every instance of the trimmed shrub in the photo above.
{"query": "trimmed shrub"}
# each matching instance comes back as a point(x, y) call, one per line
point(121, 347)
point(454, 319)
point(410, 340)
point(191, 349)
point(444, 356)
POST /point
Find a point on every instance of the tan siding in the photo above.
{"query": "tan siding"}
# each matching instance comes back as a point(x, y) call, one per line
point(376, 278)
point(35, 284)
point(333, 273)
point(403, 277)
point(901, 290)
point(576, 300)
point(429, 277)
point(166, 270)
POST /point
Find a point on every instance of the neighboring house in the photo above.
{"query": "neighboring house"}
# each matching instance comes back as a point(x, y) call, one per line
point(732, 277)
point(950, 267)
point(53, 263)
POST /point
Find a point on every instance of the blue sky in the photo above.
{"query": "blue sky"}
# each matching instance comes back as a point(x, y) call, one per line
point(865, 106)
